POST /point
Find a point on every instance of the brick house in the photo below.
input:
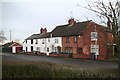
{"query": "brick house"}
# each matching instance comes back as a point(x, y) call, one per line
point(81, 38)
point(84, 38)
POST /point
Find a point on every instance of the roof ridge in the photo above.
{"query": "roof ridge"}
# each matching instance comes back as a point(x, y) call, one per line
point(76, 23)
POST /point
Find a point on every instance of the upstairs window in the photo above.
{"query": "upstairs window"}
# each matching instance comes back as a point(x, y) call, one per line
point(67, 40)
point(48, 39)
point(36, 41)
point(93, 36)
point(31, 41)
point(26, 41)
point(43, 41)
point(56, 40)
point(75, 39)
point(94, 49)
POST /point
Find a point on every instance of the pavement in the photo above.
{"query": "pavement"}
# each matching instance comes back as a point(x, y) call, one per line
point(87, 64)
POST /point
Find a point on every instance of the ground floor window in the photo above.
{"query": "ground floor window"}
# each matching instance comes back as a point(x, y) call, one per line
point(68, 49)
point(52, 48)
point(55, 49)
point(38, 48)
point(47, 49)
point(95, 49)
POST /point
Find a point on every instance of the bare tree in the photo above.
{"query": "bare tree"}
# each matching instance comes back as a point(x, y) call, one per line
point(2, 37)
point(109, 13)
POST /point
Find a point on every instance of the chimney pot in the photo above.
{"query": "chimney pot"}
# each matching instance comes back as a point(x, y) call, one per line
point(43, 30)
point(71, 21)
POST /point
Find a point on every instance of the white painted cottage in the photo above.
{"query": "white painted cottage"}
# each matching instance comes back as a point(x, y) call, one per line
point(43, 42)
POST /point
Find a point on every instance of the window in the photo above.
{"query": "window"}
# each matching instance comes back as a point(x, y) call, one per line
point(31, 41)
point(47, 49)
point(26, 41)
point(52, 48)
point(43, 41)
point(48, 39)
point(31, 48)
point(69, 49)
point(93, 36)
point(36, 41)
point(38, 49)
point(55, 49)
point(94, 49)
point(56, 40)
point(67, 40)
point(75, 39)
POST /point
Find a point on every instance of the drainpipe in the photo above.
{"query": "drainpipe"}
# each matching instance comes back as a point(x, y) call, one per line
point(77, 45)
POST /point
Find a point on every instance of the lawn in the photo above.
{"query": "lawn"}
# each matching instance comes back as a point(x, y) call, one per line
point(43, 69)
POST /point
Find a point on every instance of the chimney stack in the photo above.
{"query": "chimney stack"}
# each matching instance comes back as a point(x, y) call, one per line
point(43, 30)
point(71, 21)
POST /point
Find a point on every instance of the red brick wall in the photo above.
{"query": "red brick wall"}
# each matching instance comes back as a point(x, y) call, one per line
point(72, 43)
point(85, 40)
point(82, 56)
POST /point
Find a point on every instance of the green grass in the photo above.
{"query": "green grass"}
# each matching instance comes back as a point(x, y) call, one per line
point(27, 69)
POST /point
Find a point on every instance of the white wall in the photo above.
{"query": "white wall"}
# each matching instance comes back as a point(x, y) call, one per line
point(48, 42)
point(28, 45)
point(13, 49)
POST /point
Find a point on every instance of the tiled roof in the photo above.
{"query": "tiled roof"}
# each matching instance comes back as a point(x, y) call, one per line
point(38, 36)
point(8, 44)
point(67, 30)
point(64, 30)
point(34, 36)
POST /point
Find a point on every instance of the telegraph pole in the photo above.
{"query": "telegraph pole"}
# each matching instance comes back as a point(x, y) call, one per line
point(10, 35)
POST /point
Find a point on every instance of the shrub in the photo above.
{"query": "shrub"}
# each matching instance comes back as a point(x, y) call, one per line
point(50, 70)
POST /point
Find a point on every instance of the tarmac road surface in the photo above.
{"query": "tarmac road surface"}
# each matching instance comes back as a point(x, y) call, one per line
point(91, 64)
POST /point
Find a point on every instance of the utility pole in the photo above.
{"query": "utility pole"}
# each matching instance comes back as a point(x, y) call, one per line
point(10, 35)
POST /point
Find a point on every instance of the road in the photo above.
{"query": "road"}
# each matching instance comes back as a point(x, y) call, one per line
point(91, 64)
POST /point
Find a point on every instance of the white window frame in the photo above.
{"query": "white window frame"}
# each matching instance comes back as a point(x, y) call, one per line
point(43, 41)
point(36, 41)
point(94, 36)
point(56, 49)
point(94, 49)
point(48, 39)
point(48, 50)
point(53, 48)
point(38, 49)
point(56, 40)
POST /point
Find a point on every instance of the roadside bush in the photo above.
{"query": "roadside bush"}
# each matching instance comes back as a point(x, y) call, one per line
point(50, 70)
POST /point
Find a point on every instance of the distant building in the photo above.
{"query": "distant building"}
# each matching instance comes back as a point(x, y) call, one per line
point(11, 47)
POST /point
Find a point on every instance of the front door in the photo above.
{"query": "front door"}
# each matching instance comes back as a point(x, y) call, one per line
point(31, 48)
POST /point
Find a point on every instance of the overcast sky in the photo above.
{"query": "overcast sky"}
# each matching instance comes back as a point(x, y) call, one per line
point(26, 17)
